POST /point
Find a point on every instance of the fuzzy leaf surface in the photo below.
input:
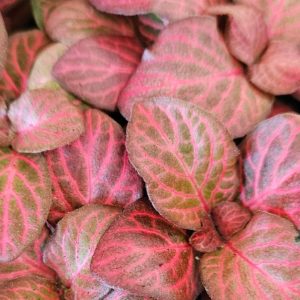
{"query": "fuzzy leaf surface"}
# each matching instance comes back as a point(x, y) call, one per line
point(93, 169)
point(44, 119)
point(185, 156)
point(271, 167)
point(260, 262)
point(144, 254)
point(25, 193)
point(102, 69)
point(200, 70)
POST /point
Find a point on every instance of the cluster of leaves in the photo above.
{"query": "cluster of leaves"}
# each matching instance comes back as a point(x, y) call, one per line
point(168, 206)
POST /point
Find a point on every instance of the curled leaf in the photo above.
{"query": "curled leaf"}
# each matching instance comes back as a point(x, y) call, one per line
point(260, 262)
point(102, 69)
point(25, 193)
point(145, 255)
point(44, 119)
point(271, 164)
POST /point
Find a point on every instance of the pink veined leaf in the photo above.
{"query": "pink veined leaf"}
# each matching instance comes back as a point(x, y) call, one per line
point(44, 119)
point(144, 254)
point(230, 218)
point(200, 70)
point(261, 262)
point(185, 156)
point(23, 48)
point(246, 32)
point(170, 10)
point(29, 263)
point(271, 165)
point(102, 69)
point(6, 134)
point(280, 107)
point(72, 21)
point(3, 44)
point(31, 287)
point(25, 194)
point(278, 71)
point(207, 239)
point(124, 295)
point(70, 250)
point(94, 168)
point(282, 17)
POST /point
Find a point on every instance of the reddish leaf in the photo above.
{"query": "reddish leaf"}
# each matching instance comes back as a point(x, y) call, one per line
point(261, 262)
point(3, 44)
point(33, 288)
point(72, 21)
point(207, 238)
point(44, 119)
point(70, 250)
point(25, 193)
point(103, 67)
point(246, 31)
point(169, 9)
point(147, 256)
point(6, 134)
point(200, 70)
point(271, 162)
point(94, 168)
point(186, 158)
point(29, 263)
point(22, 50)
point(123, 295)
point(230, 218)
point(278, 72)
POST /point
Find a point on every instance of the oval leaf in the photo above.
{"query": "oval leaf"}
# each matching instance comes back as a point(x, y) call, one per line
point(25, 193)
point(140, 245)
point(44, 119)
point(3, 44)
point(23, 48)
point(186, 158)
point(271, 163)
point(70, 250)
point(113, 60)
point(200, 70)
point(261, 262)
point(94, 168)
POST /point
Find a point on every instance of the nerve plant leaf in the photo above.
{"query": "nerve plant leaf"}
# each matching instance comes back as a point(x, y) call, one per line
point(3, 44)
point(72, 21)
point(144, 254)
point(200, 70)
point(70, 250)
point(44, 119)
point(124, 295)
point(271, 163)
point(185, 156)
point(102, 69)
point(94, 168)
point(25, 193)
point(261, 262)
point(23, 48)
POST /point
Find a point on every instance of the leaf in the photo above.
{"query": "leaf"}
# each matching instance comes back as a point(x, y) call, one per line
point(278, 72)
point(70, 250)
point(246, 32)
point(113, 60)
point(44, 119)
point(200, 70)
point(3, 44)
point(123, 295)
point(25, 194)
point(207, 238)
point(41, 73)
point(29, 263)
point(144, 254)
point(33, 288)
point(72, 21)
point(23, 48)
point(282, 17)
point(230, 218)
point(187, 159)
point(94, 168)
point(261, 262)
point(170, 10)
point(271, 165)
point(6, 134)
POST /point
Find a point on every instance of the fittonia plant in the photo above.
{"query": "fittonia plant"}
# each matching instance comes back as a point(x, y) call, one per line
point(120, 175)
